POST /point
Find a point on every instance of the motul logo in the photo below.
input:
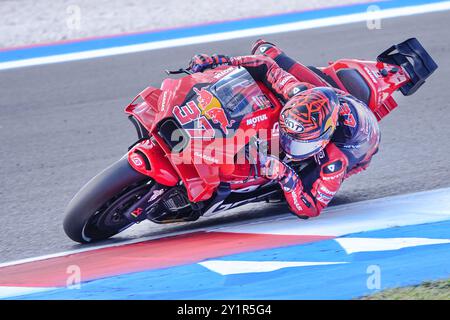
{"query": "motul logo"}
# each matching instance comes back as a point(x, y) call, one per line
point(257, 119)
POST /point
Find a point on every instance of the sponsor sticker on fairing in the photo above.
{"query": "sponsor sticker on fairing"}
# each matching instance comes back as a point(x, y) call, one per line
point(257, 119)
point(137, 161)
point(276, 129)
point(371, 74)
point(206, 157)
point(211, 108)
point(261, 102)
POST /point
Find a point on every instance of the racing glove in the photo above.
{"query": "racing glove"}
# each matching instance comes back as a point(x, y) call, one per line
point(274, 169)
point(200, 62)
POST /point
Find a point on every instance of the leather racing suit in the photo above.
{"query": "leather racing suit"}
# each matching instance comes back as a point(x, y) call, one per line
point(350, 150)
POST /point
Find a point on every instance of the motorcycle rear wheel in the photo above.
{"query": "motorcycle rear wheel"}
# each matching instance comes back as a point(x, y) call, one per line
point(96, 211)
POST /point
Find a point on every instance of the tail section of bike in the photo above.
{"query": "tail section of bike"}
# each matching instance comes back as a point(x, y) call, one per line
point(403, 67)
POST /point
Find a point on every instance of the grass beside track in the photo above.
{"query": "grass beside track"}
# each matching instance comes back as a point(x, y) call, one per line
point(433, 290)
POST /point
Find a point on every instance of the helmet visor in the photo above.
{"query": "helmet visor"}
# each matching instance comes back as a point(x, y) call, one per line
point(300, 150)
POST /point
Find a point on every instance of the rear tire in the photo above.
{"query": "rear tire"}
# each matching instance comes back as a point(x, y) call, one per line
point(94, 213)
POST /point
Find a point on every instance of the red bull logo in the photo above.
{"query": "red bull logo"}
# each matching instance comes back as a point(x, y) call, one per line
point(212, 109)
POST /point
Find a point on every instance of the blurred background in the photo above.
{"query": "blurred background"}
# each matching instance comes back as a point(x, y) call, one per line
point(38, 21)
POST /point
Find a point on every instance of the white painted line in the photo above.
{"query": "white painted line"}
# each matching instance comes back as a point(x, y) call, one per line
point(287, 27)
point(353, 245)
point(403, 210)
point(225, 268)
point(410, 209)
point(9, 292)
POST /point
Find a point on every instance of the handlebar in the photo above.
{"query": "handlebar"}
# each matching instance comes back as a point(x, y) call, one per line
point(179, 71)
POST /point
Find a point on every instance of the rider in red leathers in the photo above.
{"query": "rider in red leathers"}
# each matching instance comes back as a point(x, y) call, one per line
point(317, 121)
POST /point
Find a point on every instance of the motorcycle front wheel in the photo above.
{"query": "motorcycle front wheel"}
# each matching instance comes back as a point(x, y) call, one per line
point(96, 211)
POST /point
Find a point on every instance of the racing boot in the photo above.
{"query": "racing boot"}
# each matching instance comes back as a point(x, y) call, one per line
point(298, 70)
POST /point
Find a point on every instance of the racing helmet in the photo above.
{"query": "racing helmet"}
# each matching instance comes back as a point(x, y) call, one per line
point(307, 122)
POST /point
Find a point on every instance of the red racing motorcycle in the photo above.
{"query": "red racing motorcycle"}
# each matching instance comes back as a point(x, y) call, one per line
point(195, 153)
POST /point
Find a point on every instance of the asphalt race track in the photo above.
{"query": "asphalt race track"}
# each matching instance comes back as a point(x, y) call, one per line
point(61, 124)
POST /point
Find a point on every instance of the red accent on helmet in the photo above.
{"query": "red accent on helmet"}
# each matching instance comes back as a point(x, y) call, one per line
point(308, 121)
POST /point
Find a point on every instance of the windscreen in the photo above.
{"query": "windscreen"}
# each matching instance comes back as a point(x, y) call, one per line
point(239, 93)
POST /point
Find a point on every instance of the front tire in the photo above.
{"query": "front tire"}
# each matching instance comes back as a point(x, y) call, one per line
point(94, 213)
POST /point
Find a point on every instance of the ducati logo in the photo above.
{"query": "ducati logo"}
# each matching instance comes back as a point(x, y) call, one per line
point(137, 161)
point(331, 167)
point(137, 212)
point(262, 49)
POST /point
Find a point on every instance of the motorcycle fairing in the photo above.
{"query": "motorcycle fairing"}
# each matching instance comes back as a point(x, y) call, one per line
point(149, 158)
point(229, 107)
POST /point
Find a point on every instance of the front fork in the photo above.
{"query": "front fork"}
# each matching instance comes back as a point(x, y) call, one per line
point(163, 204)
point(146, 205)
